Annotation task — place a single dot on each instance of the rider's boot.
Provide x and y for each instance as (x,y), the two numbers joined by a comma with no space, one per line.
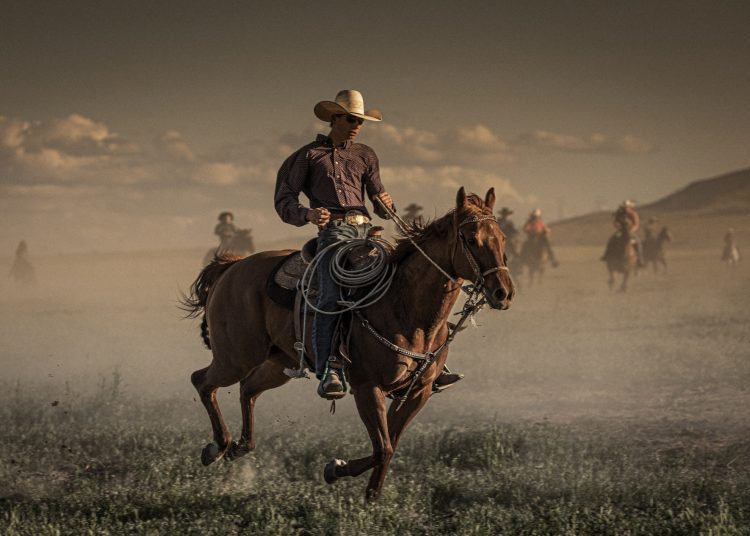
(446,379)
(330,386)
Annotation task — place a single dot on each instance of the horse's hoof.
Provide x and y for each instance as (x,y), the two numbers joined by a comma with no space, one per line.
(235,450)
(211,453)
(329,473)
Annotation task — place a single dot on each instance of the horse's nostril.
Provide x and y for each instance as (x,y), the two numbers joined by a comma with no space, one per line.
(499,294)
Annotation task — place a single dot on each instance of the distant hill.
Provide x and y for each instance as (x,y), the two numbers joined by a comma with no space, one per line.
(726,192)
(698,215)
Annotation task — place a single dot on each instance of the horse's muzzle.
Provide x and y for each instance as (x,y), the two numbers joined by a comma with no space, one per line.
(500,298)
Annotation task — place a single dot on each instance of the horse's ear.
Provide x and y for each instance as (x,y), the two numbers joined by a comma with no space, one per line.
(489,199)
(461,198)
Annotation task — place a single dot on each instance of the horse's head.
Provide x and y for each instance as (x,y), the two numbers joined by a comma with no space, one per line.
(479,248)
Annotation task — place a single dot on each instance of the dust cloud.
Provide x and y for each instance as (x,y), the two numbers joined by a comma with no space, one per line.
(675,346)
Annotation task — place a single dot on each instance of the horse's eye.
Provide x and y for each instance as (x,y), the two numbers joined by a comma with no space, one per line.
(472,240)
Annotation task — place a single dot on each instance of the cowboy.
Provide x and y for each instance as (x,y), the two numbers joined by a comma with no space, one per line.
(509,230)
(225,230)
(626,220)
(535,228)
(336,175)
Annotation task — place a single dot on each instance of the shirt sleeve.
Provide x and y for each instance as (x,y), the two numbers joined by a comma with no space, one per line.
(289,182)
(373,185)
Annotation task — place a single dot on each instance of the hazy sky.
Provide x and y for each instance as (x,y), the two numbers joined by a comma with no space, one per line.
(132,124)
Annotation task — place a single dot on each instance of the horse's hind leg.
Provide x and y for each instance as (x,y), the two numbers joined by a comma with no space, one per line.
(269,375)
(206,382)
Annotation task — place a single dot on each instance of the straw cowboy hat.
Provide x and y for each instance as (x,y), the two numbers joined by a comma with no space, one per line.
(347,102)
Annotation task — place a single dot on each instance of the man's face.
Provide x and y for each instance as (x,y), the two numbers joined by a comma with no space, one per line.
(346,127)
(227,219)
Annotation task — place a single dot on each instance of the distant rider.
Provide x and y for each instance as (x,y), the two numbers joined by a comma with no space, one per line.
(509,230)
(535,228)
(225,230)
(730,247)
(626,220)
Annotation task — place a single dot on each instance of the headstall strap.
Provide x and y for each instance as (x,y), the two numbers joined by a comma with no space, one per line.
(479,283)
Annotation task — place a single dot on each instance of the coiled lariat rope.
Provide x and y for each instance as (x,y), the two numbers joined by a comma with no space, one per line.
(377,274)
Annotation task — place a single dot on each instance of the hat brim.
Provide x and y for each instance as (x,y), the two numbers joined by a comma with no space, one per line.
(324,110)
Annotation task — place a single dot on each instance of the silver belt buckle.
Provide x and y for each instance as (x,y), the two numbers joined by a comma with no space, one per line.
(355,218)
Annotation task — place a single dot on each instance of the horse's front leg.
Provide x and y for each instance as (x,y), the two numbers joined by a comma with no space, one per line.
(371,406)
(398,419)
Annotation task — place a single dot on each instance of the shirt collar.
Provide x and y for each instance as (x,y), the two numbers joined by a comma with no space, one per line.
(328,143)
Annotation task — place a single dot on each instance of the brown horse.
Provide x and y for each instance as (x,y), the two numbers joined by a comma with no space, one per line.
(534,256)
(653,249)
(622,257)
(241,245)
(252,338)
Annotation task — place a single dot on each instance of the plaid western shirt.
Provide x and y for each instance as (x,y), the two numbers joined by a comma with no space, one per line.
(335,178)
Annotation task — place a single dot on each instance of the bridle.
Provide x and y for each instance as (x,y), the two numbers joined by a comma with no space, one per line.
(479,275)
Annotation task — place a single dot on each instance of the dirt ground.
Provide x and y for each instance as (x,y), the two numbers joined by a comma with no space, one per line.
(675,349)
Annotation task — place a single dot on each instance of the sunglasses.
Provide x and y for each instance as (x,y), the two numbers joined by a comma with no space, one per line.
(353,120)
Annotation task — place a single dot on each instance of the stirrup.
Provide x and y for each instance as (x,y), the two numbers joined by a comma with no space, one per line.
(332,395)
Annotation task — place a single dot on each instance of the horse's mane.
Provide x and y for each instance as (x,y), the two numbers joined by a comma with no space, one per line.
(421,230)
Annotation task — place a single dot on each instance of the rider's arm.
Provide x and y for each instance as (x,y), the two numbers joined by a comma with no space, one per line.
(373,185)
(289,182)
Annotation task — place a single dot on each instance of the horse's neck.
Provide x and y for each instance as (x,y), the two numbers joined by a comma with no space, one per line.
(421,298)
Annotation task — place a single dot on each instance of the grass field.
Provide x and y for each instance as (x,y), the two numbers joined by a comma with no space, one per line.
(108,463)
(583,412)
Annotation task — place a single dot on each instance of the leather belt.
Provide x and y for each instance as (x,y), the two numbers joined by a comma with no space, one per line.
(351,218)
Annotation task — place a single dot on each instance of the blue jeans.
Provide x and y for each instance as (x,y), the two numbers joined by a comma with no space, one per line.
(329,291)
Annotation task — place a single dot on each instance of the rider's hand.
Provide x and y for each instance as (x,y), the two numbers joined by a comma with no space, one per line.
(319,216)
(385,197)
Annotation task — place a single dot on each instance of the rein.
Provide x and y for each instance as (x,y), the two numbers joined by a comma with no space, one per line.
(472,305)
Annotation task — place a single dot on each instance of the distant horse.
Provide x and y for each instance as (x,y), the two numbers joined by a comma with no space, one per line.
(22,271)
(534,256)
(653,248)
(622,257)
(252,338)
(241,245)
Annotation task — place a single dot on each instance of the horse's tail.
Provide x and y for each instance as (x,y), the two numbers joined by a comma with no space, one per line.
(194,304)
(204,332)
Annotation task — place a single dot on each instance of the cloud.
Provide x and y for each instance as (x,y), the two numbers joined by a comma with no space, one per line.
(12,132)
(175,146)
(77,150)
(474,145)
(544,140)
(438,184)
